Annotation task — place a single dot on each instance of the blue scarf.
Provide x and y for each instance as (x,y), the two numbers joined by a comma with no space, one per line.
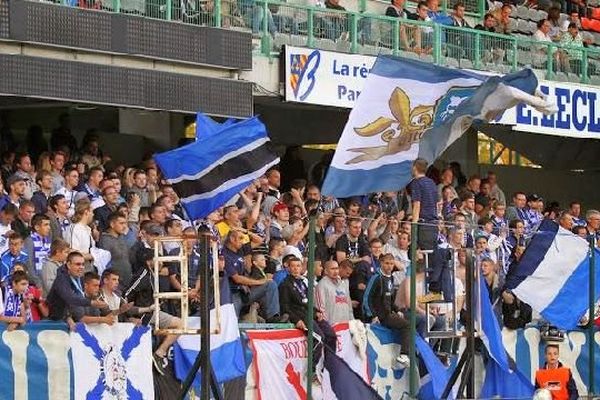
(41,248)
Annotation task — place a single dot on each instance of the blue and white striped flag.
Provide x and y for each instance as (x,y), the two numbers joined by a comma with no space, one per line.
(553,275)
(226,351)
(209,172)
(206,126)
(411,109)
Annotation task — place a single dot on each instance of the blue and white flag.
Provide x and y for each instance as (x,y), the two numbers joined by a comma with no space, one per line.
(112,362)
(410,109)
(209,172)
(206,126)
(553,275)
(501,378)
(226,352)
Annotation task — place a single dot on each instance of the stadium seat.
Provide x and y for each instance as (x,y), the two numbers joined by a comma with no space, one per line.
(464,63)
(452,62)
(522,12)
(596,13)
(343,46)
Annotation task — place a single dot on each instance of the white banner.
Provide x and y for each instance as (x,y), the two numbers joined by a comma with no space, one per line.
(112,362)
(280,362)
(337,79)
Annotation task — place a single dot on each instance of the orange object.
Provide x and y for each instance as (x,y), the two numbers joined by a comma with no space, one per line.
(554,380)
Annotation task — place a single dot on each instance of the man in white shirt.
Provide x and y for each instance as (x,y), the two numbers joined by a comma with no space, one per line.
(68,190)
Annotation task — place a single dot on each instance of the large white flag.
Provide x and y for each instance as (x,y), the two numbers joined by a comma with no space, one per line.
(112,362)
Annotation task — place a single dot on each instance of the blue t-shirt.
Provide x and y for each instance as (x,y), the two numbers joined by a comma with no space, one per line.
(8,261)
(424,190)
(234,265)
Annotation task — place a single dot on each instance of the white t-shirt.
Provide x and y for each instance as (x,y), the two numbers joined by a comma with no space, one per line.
(80,238)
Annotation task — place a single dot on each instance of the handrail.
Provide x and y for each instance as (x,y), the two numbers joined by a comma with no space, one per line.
(369,33)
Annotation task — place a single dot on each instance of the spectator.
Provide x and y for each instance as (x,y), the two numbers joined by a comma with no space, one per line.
(140,187)
(575,211)
(40,198)
(58,210)
(518,207)
(89,314)
(571,59)
(37,246)
(555,377)
(23,169)
(69,189)
(22,224)
(516,240)
(468,210)
(149,232)
(245,290)
(379,306)
(281,219)
(92,187)
(333,295)
(111,201)
(337,21)
(515,313)
(7,215)
(437,16)
(593,225)
(15,307)
(489,24)
(91,156)
(422,35)
(59,251)
(13,255)
(293,295)
(446,180)
(113,240)
(424,206)
(120,310)
(397,10)
(458,16)
(495,192)
(62,136)
(542,35)
(502,16)
(554,20)
(57,164)
(16,190)
(67,290)
(141,293)
(79,234)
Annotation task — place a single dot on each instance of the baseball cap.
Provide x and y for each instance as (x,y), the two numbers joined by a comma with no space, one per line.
(533,197)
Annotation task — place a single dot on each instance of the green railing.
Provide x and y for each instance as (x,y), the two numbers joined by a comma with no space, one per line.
(277,23)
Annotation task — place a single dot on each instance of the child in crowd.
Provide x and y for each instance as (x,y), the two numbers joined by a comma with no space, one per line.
(16,305)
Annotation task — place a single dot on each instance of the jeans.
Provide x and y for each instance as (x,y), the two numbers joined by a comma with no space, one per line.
(427,235)
(258,13)
(401,325)
(267,296)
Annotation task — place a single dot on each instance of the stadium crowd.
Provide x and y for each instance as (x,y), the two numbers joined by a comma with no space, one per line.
(77,232)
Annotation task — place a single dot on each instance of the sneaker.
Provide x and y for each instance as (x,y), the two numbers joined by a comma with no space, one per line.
(403,360)
(430,297)
(159,363)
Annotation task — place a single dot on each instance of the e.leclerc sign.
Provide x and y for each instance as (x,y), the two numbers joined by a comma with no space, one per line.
(336,79)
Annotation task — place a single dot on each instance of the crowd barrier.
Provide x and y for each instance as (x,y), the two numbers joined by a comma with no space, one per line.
(36,362)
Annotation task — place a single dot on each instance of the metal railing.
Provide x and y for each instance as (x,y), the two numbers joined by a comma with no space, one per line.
(278,23)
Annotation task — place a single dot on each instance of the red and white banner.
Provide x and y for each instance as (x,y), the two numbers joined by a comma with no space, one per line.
(278,351)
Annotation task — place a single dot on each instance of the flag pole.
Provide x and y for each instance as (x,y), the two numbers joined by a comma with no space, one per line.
(310,316)
(590,332)
(413,316)
(202,362)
